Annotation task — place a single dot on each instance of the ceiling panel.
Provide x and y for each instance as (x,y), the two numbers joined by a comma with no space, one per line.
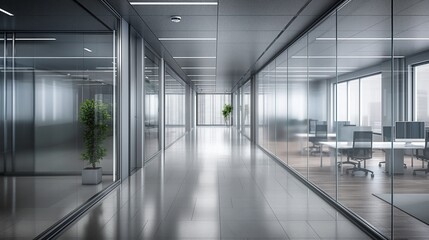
(243,30)
(175,10)
(245,37)
(259,7)
(191,48)
(194,23)
(253,23)
(47,15)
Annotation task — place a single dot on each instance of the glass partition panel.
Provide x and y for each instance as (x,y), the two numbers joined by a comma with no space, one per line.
(247,108)
(270,94)
(152,93)
(297,94)
(322,167)
(261,107)
(174,107)
(52,81)
(364,47)
(281,100)
(263,90)
(409,96)
(3,92)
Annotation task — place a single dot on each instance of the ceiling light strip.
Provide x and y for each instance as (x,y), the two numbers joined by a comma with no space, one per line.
(373,39)
(194,57)
(187,39)
(346,57)
(175,3)
(187,68)
(6,12)
(30,39)
(202,75)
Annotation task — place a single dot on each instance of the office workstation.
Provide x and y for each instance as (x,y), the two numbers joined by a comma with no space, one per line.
(409,136)
(357,72)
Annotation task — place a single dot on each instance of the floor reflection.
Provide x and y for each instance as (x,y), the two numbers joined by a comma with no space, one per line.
(214,184)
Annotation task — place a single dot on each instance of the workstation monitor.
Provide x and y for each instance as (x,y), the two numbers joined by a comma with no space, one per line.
(409,132)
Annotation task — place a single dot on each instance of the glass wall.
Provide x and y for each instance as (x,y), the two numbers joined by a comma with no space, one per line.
(152,85)
(175,107)
(321,169)
(209,109)
(55,88)
(340,80)
(47,82)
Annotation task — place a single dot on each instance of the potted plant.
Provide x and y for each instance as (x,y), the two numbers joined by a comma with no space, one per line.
(94,116)
(226,112)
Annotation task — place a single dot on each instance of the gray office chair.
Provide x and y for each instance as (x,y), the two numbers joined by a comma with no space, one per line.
(423,154)
(344,131)
(361,151)
(320,136)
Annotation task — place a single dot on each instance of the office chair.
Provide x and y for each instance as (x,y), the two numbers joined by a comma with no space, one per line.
(361,151)
(320,136)
(387,137)
(345,133)
(312,126)
(423,154)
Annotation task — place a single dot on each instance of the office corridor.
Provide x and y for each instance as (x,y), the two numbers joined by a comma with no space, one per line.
(212,184)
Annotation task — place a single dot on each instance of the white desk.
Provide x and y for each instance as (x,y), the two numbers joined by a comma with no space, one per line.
(397,149)
(301,136)
(305,135)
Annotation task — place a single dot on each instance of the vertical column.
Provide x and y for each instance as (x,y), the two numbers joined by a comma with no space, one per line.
(124,113)
(162,105)
(140,102)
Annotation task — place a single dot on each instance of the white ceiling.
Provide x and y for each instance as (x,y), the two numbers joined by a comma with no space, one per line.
(243,30)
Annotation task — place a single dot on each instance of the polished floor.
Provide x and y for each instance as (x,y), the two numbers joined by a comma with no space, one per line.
(29,205)
(213,184)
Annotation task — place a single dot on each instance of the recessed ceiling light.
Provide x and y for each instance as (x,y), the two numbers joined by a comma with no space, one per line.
(175,3)
(87,49)
(176,19)
(6,12)
(195,57)
(187,39)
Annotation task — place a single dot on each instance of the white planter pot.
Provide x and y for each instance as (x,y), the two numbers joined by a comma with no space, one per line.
(91,176)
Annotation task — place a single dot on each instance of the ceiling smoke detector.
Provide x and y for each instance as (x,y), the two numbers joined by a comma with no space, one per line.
(176,19)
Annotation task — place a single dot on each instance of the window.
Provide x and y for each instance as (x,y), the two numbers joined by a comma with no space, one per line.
(359,101)
(421,92)
(209,109)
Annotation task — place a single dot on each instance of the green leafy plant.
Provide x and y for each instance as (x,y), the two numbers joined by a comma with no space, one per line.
(95,116)
(226,111)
